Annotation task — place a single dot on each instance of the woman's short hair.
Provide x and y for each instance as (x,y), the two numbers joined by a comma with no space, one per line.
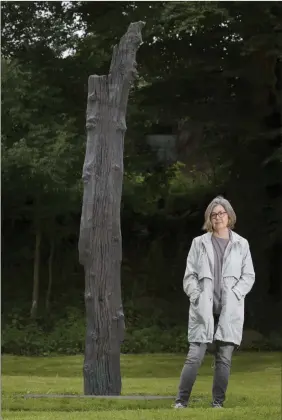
(228,208)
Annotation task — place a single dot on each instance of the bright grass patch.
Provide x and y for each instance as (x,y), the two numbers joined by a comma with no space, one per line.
(254,390)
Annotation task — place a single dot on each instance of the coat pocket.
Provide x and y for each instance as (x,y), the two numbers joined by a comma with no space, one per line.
(195,296)
(236,309)
(229,282)
(229,299)
(200,309)
(227,286)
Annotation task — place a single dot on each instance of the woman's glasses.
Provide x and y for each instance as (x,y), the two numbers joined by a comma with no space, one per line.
(219,214)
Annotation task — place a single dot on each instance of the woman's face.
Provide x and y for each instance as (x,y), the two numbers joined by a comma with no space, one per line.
(219,218)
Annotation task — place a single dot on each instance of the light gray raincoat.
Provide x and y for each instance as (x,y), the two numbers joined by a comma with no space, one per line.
(238,277)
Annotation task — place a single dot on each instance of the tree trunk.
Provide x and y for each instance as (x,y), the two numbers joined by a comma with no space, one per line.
(50,274)
(100,247)
(34,306)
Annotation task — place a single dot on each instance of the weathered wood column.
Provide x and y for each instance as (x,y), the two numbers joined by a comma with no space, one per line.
(100,245)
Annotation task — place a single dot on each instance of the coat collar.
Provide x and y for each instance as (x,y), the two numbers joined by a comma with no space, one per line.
(234,237)
(207,242)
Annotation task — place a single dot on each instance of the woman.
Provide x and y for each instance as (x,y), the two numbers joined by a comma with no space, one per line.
(219,274)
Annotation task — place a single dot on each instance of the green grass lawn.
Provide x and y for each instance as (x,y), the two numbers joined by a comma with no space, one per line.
(254,390)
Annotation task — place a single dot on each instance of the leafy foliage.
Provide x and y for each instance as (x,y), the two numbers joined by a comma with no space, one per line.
(67,337)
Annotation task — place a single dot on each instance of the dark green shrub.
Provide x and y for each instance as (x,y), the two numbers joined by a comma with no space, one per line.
(68,334)
(27,340)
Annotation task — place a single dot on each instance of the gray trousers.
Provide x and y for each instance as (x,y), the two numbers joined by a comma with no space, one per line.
(221,371)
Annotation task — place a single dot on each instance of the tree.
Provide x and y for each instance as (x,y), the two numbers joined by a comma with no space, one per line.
(100,245)
(40,158)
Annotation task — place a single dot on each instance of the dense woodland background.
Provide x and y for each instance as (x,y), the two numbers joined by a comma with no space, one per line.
(210,74)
